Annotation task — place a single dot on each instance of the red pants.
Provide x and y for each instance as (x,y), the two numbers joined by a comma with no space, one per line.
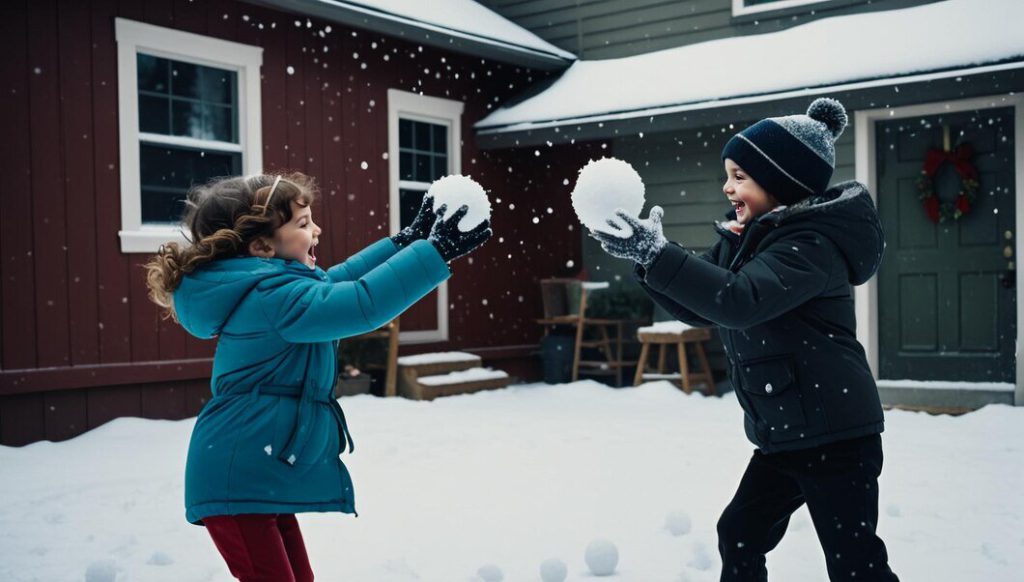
(261,547)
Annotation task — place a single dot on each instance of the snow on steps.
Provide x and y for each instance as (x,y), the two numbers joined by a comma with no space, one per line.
(428,376)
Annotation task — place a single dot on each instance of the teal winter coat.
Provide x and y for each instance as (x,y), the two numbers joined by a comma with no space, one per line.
(269,439)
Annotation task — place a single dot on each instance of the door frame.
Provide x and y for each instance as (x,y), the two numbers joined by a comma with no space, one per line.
(866,296)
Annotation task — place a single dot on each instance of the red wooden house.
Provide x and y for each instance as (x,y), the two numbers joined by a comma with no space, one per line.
(112,109)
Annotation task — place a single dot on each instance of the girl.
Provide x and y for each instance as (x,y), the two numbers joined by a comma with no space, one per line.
(777,284)
(266,446)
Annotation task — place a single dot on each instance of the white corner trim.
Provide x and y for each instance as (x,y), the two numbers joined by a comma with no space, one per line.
(866,296)
(740,8)
(134,37)
(448,112)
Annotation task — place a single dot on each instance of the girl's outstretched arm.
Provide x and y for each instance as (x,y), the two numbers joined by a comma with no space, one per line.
(364,261)
(305,310)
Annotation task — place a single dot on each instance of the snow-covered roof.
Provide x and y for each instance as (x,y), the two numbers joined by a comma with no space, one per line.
(462,25)
(942,36)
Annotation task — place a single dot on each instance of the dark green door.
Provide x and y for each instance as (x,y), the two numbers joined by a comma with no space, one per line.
(946,302)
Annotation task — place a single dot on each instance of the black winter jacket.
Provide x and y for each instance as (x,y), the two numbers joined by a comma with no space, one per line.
(781,295)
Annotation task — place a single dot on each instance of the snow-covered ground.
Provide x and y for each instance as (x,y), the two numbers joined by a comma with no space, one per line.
(511,478)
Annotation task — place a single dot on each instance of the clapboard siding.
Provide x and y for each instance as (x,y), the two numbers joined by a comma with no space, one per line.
(600,29)
(81,342)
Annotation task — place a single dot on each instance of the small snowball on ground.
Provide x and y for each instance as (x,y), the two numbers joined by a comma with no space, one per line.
(160,559)
(553,570)
(603,186)
(490,573)
(458,190)
(678,523)
(601,557)
(101,571)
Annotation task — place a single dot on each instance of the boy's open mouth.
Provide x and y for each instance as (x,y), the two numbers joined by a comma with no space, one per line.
(739,206)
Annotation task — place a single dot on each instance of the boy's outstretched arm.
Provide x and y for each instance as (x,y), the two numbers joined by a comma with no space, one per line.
(674,309)
(784,275)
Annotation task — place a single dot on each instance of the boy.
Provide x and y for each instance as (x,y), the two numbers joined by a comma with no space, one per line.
(777,284)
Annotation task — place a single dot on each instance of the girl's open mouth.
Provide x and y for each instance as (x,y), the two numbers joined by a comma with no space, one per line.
(312,256)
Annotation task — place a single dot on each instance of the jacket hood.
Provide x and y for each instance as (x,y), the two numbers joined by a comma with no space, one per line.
(206,297)
(845,213)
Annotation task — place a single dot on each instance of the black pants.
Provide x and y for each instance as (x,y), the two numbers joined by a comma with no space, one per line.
(839,484)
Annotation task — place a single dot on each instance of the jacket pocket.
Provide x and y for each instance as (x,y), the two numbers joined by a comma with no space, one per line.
(772,388)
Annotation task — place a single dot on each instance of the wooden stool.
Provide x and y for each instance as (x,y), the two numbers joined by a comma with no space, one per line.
(673,332)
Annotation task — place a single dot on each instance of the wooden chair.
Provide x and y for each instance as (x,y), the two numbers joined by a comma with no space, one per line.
(560,308)
(663,334)
(388,332)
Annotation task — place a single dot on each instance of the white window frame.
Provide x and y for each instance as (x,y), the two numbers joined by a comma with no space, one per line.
(246,60)
(740,8)
(416,107)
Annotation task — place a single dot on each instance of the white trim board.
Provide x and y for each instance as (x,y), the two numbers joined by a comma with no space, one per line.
(134,37)
(866,296)
(405,105)
(740,8)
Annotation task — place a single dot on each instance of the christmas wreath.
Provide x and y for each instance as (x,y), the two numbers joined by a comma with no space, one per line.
(960,157)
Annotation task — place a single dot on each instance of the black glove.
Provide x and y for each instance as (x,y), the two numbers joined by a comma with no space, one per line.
(453,243)
(642,245)
(420,227)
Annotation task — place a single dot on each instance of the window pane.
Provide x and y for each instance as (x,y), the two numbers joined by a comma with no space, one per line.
(405,169)
(440,167)
(202,121)
(168,172)
(185,79)
(440,145)
(409,204)
(152,75)
(404,133)
(423,169)
(154,114)
(422,135)
(217,85)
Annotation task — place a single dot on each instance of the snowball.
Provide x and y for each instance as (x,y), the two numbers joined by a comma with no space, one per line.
(601,557)
(101,571)
(490,573)
(553,570)
(458,190)
(678,523)
(603,186)
(160,559)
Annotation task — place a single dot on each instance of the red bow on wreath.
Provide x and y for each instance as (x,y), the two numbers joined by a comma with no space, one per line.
(960,157)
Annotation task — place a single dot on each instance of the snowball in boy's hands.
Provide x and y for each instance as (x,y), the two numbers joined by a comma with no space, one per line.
(601,556)
(553,570)
(455,191)
(604,185)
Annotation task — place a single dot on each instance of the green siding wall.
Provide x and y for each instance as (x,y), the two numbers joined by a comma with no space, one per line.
(600,29)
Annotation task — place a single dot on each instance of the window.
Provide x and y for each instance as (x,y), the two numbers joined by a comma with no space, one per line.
(741,7)
(189,111)
(423,145)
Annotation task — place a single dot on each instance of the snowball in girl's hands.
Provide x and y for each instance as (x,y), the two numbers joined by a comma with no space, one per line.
(604,185)
(456,191)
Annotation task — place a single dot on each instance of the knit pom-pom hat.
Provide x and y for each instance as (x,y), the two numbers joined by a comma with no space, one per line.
(791,157)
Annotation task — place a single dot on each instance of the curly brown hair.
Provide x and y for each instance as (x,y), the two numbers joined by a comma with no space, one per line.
(222,217)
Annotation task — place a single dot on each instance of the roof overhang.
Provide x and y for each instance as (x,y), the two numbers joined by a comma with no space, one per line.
(897,91)
(368,17)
